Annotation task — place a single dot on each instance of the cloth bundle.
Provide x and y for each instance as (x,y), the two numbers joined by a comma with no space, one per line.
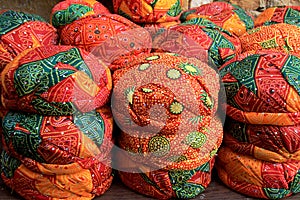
(169,134)
(260,156)
(275,15)
(279,37)
(65,12)
(220,45)
(226,15)
(57,129)
(159,13)
(20,31)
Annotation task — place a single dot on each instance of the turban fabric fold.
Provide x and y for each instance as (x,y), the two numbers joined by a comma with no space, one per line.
(67,11)
(280,37)
(220,45)
(156,13)
(229,16)
(55,80)
(20,31)
(276,15)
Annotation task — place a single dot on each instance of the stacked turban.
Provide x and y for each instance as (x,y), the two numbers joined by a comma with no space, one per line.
(20,31)
(165,106)
(261,153)
(226,15)
(57,127)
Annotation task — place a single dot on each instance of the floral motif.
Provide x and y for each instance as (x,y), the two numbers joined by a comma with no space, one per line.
(190,68)
(176,108)
(159,146)
(173,74)
(196,139)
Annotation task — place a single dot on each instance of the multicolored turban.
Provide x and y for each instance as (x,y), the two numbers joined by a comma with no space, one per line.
(258,178)
(20,31)
(165,106)
(276,15)
(159,12)
(57,157)
(67,11)
(55,80)
(229,16)
(220,45)
(261,153)
(277,37)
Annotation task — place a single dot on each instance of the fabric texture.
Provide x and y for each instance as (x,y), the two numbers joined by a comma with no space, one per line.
(280,37)
(229,16)
(220,44)
(67,11)
(57,157)
(55,80)
(20,31)
(90,32)
(165,106)
(149,12)
(275,15)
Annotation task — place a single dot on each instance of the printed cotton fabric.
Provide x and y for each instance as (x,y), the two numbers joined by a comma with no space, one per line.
(57,157)
(55,80)
(144,12)
(165,106)
(65,12)
(258,178)
(219,44)
(90,32)
(276,15)
(20,31)
(226,15)
(280,37)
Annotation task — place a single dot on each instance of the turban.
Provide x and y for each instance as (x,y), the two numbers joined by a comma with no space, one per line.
(146,12)
(258,178)
(226,15)
(165,106)
(277,37)
(276,15)
(261,139)
(20,31)
(67,11)
(220,45)
(90,32)
(55,80)
(57,157)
